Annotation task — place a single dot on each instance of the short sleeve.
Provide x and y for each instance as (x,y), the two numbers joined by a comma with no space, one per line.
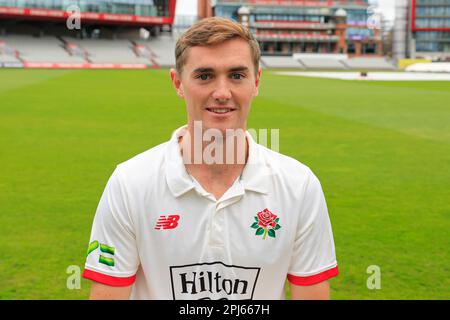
(314,257)
(112,255)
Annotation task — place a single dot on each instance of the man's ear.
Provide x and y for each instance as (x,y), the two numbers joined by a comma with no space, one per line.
(257,82)
(176,81)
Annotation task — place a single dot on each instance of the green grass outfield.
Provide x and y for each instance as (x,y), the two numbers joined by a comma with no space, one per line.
(380,149)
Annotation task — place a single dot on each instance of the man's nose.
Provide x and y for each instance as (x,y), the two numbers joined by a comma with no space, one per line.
(222,90)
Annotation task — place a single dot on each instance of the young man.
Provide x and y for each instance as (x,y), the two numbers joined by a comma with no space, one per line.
(175,223)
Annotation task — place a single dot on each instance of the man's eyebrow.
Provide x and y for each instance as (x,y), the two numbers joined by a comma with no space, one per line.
(200,70)
(240,68)
(233,69)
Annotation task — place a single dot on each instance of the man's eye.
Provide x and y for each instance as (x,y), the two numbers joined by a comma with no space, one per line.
(204,76)
(237,76)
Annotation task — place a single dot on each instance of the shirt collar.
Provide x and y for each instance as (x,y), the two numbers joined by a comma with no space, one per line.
(177,177)
(254,177)
(256,173)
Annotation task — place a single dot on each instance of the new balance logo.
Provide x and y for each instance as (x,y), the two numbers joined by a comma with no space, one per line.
(171,222)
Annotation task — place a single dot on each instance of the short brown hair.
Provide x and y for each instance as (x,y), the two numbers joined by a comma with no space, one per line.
(211,31)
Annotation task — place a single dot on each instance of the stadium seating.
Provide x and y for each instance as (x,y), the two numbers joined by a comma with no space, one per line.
(42,49)
(156,52)
(108,51)
(280,62)
(342,61)
(8,54)
(5,58)
(368,63)
(163,49)
(321,63)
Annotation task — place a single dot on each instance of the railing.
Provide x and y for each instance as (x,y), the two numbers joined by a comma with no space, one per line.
(293,25)
(136,7)
(314,37)
(302,3)
(62,16)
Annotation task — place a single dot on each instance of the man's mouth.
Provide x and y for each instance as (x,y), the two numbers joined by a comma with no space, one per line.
(220,110)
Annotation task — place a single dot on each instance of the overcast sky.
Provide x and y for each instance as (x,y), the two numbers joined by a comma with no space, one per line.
(387,8)
(189,7)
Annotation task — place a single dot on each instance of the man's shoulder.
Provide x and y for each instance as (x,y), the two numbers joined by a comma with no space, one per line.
(286,166)
(143,164)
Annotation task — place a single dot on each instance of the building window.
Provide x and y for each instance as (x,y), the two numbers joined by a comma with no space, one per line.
(351,48)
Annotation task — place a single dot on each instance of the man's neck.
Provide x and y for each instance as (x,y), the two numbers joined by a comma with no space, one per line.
(214,177)
(217,155)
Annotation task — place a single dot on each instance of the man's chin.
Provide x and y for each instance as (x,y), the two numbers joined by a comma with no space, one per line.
(225,129)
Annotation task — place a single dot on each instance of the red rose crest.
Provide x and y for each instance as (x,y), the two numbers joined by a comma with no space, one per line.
(266,223)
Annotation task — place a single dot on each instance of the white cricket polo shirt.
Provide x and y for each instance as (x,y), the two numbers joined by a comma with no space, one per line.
(156,228)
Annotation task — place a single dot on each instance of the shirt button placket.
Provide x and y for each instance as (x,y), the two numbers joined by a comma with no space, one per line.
(217,228)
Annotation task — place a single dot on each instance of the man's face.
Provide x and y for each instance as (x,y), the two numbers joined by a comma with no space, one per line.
(218,84)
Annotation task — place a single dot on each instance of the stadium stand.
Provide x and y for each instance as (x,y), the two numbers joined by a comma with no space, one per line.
(280,62)
(26,48)
(43,34)
(342,62)
(142,34)
(154,52)
(163,49)
(108,51)
(42,49)
(368,63)
(75,50)
(8,59)
(8,54)
(321,63)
